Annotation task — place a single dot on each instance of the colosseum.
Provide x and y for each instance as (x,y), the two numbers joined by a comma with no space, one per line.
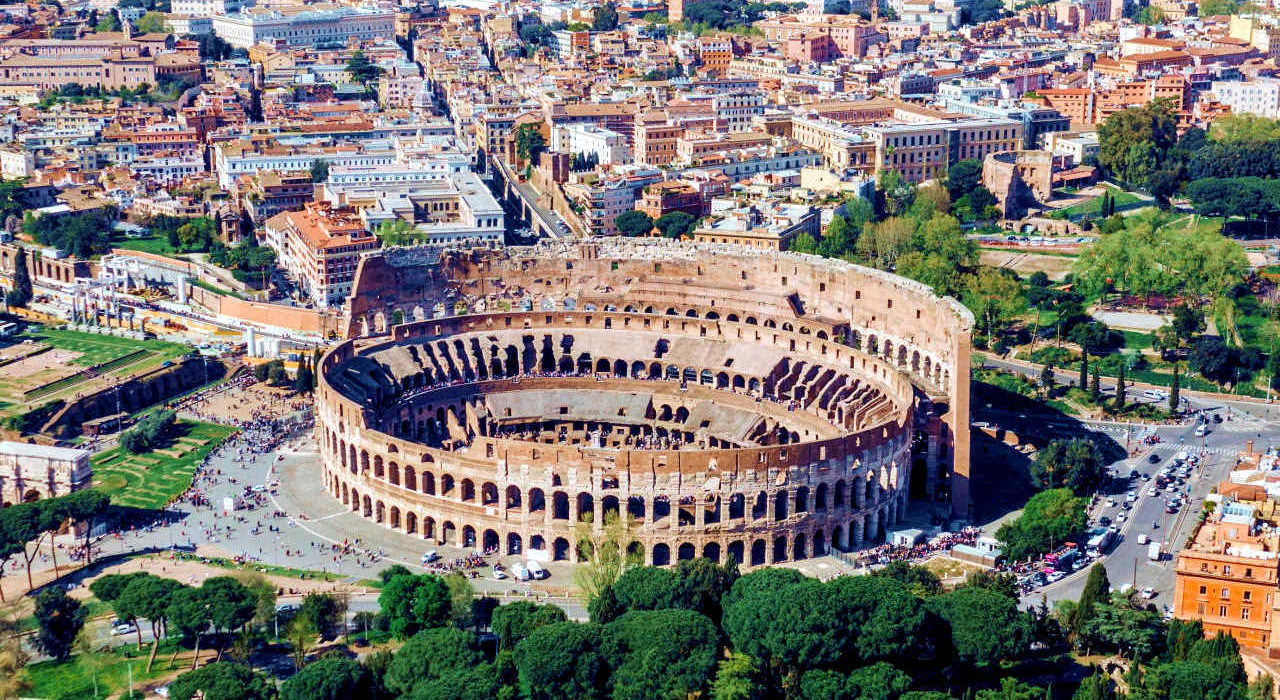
(723,402)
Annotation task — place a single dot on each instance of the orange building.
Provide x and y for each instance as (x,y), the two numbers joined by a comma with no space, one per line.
(1228,578)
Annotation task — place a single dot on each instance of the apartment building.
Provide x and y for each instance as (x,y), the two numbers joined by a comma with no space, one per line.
(602,202)
(270,192)
(319,247)
(1228,577)
(231,159)
(457,210)
(736,110)
(305,27)
(656,141)
(607,146)
(1260,96)
(662,198)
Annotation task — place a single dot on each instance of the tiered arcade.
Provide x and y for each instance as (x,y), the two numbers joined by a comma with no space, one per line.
(725,403)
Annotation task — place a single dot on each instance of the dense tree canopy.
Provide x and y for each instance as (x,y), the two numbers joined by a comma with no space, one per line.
(1049,519)
(1076,464)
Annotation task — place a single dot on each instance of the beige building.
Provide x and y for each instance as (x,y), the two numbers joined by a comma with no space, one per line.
(31,472)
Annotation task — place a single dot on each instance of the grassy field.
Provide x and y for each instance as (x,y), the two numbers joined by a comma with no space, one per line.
(73,679)
(96,349)
(1093,207)
(151,244)
(150,481)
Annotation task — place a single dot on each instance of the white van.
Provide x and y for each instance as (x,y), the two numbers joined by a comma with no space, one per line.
(536,571)
(519,572)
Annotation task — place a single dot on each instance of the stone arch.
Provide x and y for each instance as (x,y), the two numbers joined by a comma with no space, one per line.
(686,551)
(758,551)
(513,497)
(561,549)
(380,511)
(711,550)
(411,523)
(489,494)
(468,491)
(491,541)
(395,518)
(798,550)
(468,536)
(428,483)
(661,554)
(737,553)
(586,507)
(410,478)
(514,543)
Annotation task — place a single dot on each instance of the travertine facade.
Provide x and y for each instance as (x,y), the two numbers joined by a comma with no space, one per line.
(31,472)
(730,403)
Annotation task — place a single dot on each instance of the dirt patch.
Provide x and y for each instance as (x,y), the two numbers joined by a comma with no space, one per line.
(1024,264)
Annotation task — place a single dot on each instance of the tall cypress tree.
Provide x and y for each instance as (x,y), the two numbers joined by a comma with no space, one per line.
(1084,369)
(20,295)
(1175,388)
(1097,589)
(1095,384)
(1120,389)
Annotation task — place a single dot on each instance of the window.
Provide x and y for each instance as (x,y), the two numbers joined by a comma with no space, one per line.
(1222,611)
(1203,590)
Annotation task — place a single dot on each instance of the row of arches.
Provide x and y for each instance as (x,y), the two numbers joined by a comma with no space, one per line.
(813,540)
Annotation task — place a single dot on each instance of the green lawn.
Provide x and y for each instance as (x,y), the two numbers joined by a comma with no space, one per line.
(97,349)
(73,680)
(151,244)
(1093,207)
(151,480)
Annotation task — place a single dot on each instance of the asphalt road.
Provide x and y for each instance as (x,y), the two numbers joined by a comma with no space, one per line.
(1127,562)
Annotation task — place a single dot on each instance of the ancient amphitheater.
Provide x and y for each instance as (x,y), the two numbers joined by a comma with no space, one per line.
(724,402)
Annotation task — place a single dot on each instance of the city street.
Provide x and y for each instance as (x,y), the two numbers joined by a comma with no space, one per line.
(1127,561)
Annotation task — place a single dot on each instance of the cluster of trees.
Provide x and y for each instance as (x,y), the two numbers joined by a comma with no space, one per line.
(906,230)
(364,72)
(272,373)
(22,291)
(222,605)
(248,262)
(1249,196)
(1172,660)
(605,18)
(702,629)
(212,47)
(1050,518)
(529,143)
(583,161)
(185,234)
(674,224)
(1076,464)
(23,526)
(397,232)
(1140,146)
(150,432)
(1144,259)
(82,235)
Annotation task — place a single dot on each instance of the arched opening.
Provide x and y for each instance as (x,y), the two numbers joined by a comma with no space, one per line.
(586,507)
(491,541)
(537,501)
(686,552)
(736,551)
(513,543)
(758,553)
(779,548)
(513,497)
(819,544)
(635,508)
(489,494)
(609,508)
(448,533)
(798,551)
(780,505)
(468,491)
(661,555)
(820,498)
(468,536)
(711,550)
(560,505)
